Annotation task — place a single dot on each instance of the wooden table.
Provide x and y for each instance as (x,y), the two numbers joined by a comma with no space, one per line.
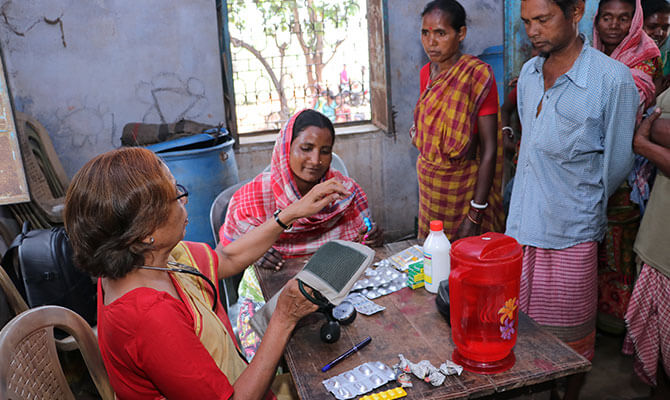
(411,325)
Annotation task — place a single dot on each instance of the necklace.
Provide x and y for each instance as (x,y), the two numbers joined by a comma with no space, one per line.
(185,269)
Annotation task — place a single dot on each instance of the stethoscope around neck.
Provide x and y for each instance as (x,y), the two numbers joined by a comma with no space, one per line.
(186,269)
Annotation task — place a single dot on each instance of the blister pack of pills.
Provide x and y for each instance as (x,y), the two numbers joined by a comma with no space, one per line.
(376,277)
(364,305)
(360,380)
(380,281)
(403,259)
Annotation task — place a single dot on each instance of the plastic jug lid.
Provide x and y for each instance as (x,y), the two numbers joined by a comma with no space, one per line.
(436,225)
(487,247)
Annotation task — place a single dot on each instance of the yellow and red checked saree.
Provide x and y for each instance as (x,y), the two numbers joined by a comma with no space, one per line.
(445,118)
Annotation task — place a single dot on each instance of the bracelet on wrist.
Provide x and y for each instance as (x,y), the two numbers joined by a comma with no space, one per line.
(279,222)
(478,206)
(478,214)
(510,134)
(473,220)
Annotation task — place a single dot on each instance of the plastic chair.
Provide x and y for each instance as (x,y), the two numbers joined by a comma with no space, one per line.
(14,299)
(18,305)
(30,368)
(45,175)
(336,163)
(217,216)
(217,213)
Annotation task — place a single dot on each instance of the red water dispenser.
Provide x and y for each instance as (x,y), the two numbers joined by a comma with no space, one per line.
(483,295)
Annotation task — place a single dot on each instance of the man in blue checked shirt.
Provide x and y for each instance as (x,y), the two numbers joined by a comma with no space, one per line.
(577,108)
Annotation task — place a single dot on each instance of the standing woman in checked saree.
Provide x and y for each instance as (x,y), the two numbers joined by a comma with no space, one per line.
(456,131)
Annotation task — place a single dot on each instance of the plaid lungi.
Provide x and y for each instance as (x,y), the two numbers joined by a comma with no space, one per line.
(648,321)
(559,290)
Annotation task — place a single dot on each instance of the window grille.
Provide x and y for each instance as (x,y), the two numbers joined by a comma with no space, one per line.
(293,54)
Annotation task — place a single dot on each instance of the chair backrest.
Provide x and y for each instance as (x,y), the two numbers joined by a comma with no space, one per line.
(14,299)
(217,216)
(30,367)
(336,163)
(217,213)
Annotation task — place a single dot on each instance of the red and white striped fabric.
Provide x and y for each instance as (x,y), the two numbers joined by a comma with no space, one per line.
(559,290)
(648,321)
(255,202)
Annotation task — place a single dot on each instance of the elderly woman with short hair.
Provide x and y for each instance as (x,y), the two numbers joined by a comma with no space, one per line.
(161,329)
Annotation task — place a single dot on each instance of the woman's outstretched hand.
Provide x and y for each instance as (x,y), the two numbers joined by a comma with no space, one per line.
(293,305)
(272,259)
(315,200)
(373,237)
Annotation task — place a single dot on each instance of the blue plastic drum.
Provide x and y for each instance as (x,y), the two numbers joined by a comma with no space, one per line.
(494,57)
(205,167)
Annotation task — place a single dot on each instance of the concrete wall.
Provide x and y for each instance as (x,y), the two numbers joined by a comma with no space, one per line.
(86,68)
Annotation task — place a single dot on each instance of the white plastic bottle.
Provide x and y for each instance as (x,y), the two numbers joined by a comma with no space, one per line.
(436,261)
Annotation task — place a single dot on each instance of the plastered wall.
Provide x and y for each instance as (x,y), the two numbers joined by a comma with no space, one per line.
(86,68)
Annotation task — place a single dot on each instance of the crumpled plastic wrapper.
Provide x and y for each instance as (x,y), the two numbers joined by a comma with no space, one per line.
(435,377)
(404,364)
(419,370)
(450,368)
(425,370)
(404,379)
(432,374)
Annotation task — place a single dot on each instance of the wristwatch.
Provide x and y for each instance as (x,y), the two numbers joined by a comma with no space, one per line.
(279,222)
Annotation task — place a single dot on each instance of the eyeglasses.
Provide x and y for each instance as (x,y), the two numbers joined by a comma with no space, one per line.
(181,192)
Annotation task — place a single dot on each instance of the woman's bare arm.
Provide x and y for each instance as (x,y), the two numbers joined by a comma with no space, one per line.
(255,380)
(248,248)
(652,140)
(488,140)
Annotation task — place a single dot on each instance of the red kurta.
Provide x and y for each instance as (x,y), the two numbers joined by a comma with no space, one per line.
(150,348)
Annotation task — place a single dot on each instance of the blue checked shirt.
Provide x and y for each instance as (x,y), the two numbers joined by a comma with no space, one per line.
(575,153)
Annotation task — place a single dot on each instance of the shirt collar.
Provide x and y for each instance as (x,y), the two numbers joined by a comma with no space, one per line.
(577,74)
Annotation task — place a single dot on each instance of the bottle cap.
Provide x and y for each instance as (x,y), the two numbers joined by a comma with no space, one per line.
(435,226)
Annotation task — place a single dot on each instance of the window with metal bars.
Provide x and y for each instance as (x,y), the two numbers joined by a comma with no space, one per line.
(280,56)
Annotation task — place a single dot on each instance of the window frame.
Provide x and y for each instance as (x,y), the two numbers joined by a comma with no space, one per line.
(382,114)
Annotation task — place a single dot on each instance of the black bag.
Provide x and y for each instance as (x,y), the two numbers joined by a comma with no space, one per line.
(39,262)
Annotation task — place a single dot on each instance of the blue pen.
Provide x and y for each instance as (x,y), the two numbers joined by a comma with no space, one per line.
(347,354)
